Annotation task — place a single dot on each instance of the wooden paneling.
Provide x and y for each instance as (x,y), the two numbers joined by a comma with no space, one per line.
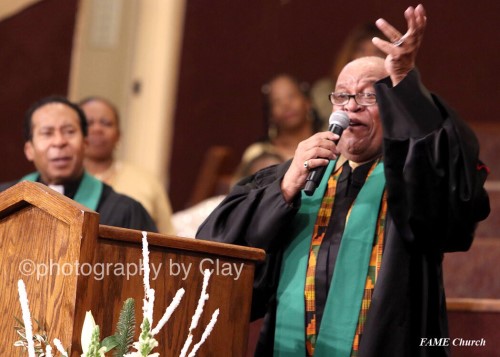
(473,274)
(473,325)
(42,226)
(41,238)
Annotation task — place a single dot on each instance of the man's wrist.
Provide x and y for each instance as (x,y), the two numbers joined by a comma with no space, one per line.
(289,192)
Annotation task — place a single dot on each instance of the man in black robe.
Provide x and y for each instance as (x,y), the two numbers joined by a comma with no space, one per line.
(410,146)
(55,131)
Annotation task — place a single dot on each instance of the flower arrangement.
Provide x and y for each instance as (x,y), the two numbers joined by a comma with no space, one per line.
(40,339)
(28,339)
(122,341)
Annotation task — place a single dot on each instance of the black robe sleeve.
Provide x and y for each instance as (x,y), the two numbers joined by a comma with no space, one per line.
(434,177)
(254,213)
(122,211)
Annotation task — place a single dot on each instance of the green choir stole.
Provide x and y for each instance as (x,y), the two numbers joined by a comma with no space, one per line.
(340,316)
(88,193)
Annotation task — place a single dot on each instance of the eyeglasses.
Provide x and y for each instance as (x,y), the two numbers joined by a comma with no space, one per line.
(365,99)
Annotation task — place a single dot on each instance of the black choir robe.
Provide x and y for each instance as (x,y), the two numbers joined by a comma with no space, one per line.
(114,209)
(434,183)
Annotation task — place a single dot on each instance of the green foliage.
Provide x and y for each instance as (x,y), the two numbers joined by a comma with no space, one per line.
(93,350)
(146,329)
(146,340)
(108,343)
(124,335)
(98,349)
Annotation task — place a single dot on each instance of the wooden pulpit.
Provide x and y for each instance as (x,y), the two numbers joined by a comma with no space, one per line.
(71,264)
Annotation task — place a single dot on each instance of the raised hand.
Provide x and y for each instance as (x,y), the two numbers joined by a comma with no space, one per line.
(402,51)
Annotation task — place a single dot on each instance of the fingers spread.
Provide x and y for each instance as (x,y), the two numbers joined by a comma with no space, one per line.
(420,11)
(410,19)
(382,45)
(416,20)
(388,30)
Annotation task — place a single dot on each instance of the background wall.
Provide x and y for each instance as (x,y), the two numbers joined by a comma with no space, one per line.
(230,48)
(35,59)
(233,47)
(128,51)
(9,8)
(103,51)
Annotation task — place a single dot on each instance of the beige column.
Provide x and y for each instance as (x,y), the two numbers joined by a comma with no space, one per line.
(154,73)
(128,51)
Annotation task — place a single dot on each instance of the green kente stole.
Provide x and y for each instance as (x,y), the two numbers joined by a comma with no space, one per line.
(340,316)
(88,193)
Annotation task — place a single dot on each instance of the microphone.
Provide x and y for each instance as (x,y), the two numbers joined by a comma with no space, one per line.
(339,120)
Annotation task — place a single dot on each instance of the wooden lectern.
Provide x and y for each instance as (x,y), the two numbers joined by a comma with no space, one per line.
(70,264)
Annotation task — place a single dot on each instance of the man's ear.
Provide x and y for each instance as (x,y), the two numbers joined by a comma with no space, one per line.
(29,150)
(85,143)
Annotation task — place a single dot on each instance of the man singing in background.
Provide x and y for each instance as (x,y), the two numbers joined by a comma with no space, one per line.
(55,130)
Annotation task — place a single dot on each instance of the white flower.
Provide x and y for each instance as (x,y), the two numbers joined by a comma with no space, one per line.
(102,351)
(87,329)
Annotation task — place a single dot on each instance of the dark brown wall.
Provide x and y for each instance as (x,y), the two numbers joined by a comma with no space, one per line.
(35,54)
(232,47)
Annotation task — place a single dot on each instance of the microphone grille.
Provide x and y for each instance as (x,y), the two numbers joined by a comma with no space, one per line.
(339,118)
